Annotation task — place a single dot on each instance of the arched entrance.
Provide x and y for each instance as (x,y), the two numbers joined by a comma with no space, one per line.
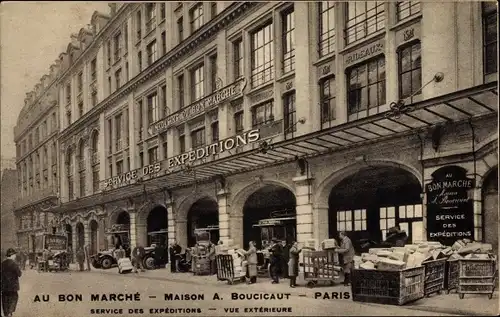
(94,227)
(374,199)
(204,213)
(157,225)
(490,208)
(123,218)
(69,233)
(80,236)
(269,213)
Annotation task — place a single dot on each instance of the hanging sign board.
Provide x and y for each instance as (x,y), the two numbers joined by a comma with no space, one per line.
(450,210)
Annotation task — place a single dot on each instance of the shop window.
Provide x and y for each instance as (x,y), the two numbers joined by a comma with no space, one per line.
(215,131)
(362,19)
(326,27)
(366,88)
(288,38)
(490,33)
(328,100)
(153,109)
(197,82)
(406,9)
(198,138)
(153,155)
(152,52)
(238,122)
(410,70)
(196,17)
(262,55)
(238,58)
(289,113)
(262,114)
(387,219)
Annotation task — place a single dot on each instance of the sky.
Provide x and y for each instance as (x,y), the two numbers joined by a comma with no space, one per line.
(32,35)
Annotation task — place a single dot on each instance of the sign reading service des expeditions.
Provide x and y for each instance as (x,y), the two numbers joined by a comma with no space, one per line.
(450,213)
(198,107)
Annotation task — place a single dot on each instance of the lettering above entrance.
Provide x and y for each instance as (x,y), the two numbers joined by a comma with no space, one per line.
(199,107)
(363,53)
(236,141)
(450,210)
(127,178)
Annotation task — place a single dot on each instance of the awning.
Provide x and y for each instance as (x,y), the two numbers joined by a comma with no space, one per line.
(462,105)
(479,101)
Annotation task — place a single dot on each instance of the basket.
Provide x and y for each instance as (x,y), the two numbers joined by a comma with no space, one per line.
(388,287)
(451,275)
(476,276)
(434,276)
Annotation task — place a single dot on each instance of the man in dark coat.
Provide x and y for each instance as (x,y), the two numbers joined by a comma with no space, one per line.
(138,256)
(159,256)
(10,283)
(174,251)
(346,249)
(276,251)
(80,258)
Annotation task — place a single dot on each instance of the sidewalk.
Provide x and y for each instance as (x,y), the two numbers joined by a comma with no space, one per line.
(471,305)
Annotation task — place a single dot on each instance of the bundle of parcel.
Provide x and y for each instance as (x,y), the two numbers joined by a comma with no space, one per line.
(413,255)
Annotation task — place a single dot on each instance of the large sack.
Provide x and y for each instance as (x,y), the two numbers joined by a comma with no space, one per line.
(375,250)
(367,266)
(470,248)
(385,264)
(415,260)
(398,256)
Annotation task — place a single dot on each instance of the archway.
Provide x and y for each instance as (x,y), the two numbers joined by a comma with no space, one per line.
(269,213)
(94,227)
(69,233)
(80,236)
(123,218)
(374,199)
(204,213)
(157,226)
(489,193)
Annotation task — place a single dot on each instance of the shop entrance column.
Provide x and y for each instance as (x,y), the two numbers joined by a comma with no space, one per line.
(304,210)
(223,216)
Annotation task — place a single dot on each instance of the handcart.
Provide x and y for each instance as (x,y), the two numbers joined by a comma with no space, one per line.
(227,271)
(477,276)
(320,266)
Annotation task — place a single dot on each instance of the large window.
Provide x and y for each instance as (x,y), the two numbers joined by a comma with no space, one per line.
(197,83)
(140,110)
(180,90)
(289,113)
(238,122)
(152,52)
(138,25)
(238,58)
(139,60)
(351,220)
(163,43)
(198,138)
(387,220)
(118,78)
(288,19)
(68,94)
(182,144)
(95,162)
(70,171)
(362,19)
(326,27)
(328,102)
(166,109)
(262,114)
(119,167)
(410,70)
(180,29)
(196,17)
(262,59)
(215,131)
(153,109)
(118,47)
(153,155)
(407,217)
(213,72)
(150,16)
(118,131)
(490,33)
(405,9)
(366,87)
(81,168)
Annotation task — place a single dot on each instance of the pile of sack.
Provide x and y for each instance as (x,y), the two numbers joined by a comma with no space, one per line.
(413,255)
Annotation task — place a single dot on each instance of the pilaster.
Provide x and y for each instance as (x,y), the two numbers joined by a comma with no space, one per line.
(222,200)
(171,220)
(304,210)
(181,232)
(133,228)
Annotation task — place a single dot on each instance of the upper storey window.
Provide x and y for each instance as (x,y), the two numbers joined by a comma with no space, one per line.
(198,82)
(490,33)
(406,9)
(288,20)
(362,19)
(150,16)
(326,27)
(68,94)
(262,61)
(196,17)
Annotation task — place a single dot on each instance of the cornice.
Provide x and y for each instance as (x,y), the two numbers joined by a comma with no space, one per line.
(96,41)
(36,121)
(206,32)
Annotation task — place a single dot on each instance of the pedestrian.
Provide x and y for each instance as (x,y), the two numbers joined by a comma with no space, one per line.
(10,283)
(251,256)
(276,251)
(211,258)
(174,251)
(80,258)
(293,263)
(346,249)
(286,256)
(159,256)
(138,257)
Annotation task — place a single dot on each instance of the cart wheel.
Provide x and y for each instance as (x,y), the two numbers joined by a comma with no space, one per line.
(490,296)
(310,284)
(461,296)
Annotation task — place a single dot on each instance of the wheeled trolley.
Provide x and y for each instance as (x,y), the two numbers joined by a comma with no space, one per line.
(476,276)
(320,266)
(227,270)
(434,276)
